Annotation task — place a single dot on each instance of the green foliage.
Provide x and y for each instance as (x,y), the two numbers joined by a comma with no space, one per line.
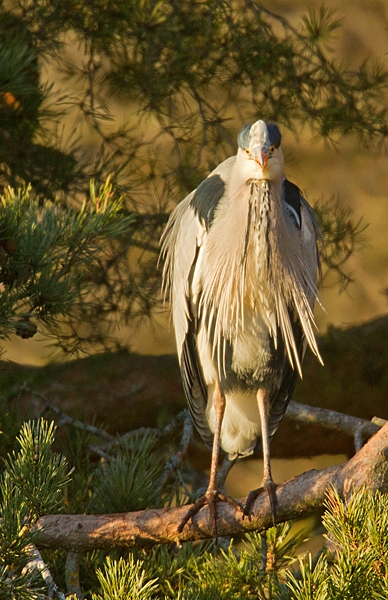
(311,582)
(355,564)
(153,93)
(124,579)
(171,567)
(35,474)
(128,481)
(20,586)
(32,485)
(201,571)
(28,152)
(49,254)
(76,444)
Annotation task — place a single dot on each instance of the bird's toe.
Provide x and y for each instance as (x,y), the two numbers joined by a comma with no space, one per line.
(210,499)
(267,485)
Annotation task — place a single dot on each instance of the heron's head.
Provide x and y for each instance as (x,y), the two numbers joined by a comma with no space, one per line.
(259,144)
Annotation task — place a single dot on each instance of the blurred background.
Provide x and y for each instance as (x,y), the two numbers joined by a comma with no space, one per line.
(151,95)
(341,165)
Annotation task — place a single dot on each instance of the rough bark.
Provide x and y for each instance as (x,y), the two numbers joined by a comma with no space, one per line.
(299,496)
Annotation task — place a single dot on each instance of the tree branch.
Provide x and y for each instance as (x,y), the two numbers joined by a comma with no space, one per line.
(65,419)
(298,497)
(37,562)
(360,429)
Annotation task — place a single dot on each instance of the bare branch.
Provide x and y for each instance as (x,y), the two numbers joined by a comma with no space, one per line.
(38,563)
(298,497)
(224,469)
(175,460)
(111,440)
(65,418)
(331,419)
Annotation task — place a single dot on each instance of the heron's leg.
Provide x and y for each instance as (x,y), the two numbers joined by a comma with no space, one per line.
(212,493)
(267,483)
(219,408)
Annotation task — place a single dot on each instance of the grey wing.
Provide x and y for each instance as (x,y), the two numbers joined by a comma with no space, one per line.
(302,218)
(280,400)
(193,381)
(182,240)
(311,233)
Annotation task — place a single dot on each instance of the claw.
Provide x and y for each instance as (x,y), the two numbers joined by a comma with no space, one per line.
(268,485)
(210,498)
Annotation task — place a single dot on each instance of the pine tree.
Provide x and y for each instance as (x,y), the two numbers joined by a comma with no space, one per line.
(50,255)
(153,97)
(36,481)
(187,74)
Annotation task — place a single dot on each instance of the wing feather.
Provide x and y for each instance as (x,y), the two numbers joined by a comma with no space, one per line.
(181,244)
(303,219)
(194,384)
(185,231)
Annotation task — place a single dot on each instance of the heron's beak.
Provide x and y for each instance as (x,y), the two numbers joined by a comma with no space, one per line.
(262,161)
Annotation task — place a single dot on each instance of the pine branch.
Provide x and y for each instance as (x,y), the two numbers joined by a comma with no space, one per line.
(65,419)
(72,574)
(298,497)
(360,429)
(38,563)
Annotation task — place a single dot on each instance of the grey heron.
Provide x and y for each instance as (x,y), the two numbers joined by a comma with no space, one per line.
(240,269)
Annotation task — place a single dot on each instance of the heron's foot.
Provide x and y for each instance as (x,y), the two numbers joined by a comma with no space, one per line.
(270,486)
(210,499)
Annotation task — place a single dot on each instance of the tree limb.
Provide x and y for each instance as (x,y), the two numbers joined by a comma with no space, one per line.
(298,497)
(360,429)
(36,562)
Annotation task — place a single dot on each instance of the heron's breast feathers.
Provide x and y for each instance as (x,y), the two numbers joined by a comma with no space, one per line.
(254,260)
(244,256)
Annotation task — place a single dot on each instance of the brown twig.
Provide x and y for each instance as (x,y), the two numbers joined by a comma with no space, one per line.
(175,460)
(66,419)
(359,429)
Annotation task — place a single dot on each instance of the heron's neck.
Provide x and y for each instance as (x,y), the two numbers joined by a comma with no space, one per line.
(265,224)
(253,264)
(236,259)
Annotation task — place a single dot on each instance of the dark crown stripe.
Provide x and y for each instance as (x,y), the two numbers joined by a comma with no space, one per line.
(274,134)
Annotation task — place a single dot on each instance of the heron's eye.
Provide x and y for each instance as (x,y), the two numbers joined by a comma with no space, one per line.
(247,151)
(272,149)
